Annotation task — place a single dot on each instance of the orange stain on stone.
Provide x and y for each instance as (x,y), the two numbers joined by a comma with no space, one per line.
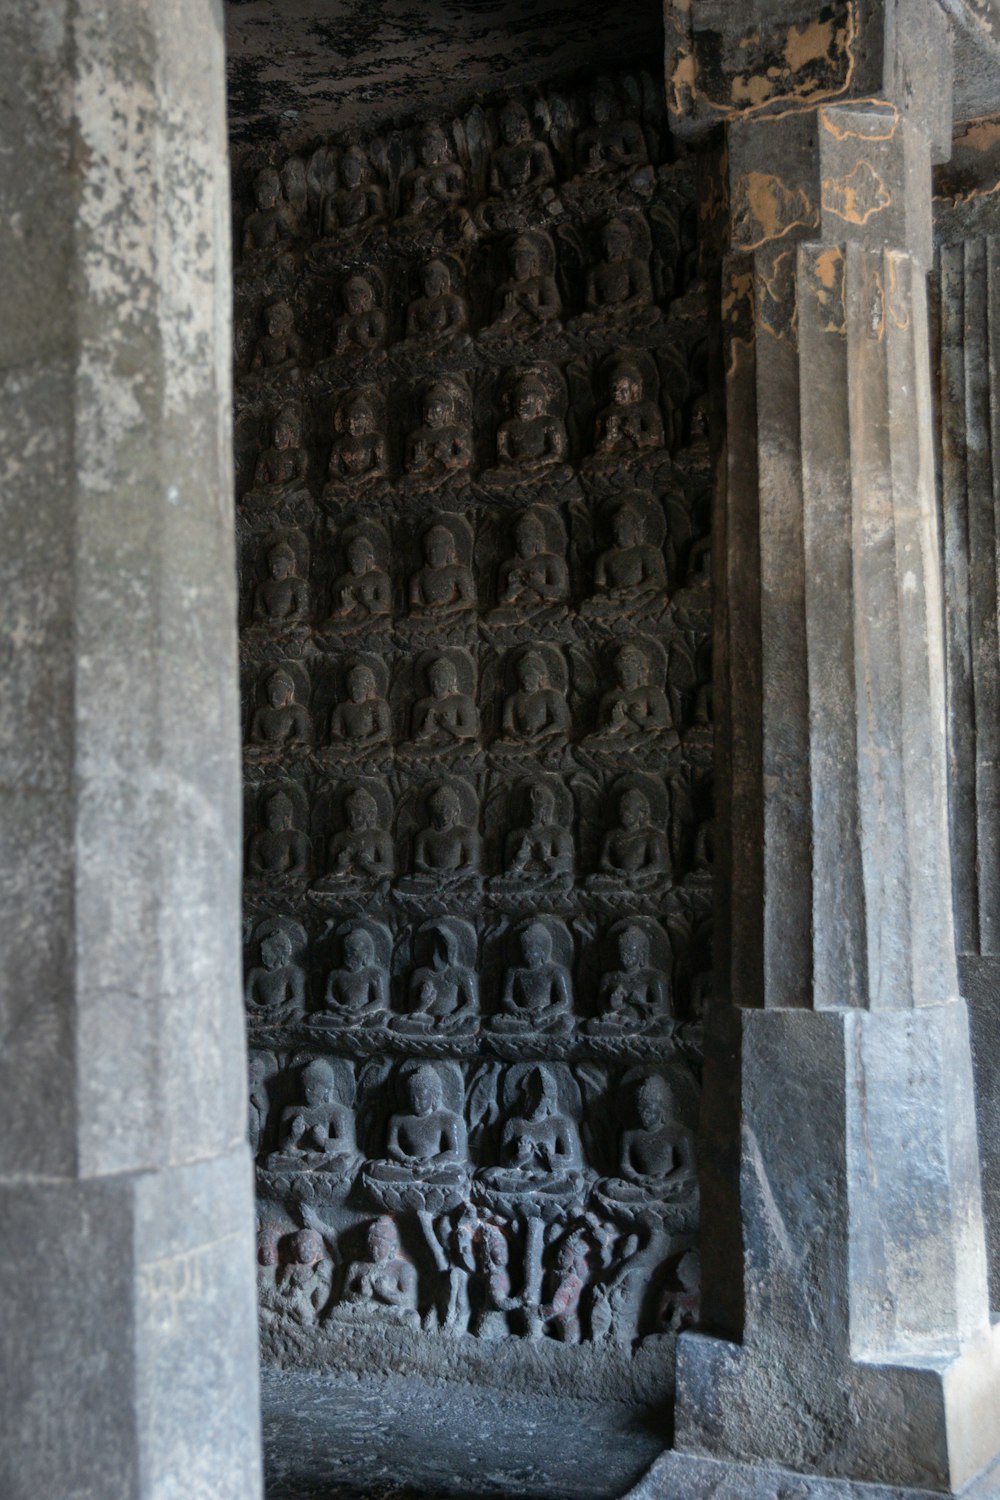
(766,209)
(857,197)
(810,43)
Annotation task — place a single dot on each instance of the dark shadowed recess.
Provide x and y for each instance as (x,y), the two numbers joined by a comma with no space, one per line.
(300,67)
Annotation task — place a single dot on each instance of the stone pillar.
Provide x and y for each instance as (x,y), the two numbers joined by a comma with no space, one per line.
(847,1329)
(128,1358)
(968,317)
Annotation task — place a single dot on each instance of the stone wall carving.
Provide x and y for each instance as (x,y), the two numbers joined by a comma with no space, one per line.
(473,522)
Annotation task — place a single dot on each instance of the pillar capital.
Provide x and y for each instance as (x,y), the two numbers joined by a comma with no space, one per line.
(729,62)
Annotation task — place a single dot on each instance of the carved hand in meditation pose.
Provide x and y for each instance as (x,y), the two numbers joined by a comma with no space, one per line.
(364,591)
(282,721)
(430,1137)
(360,451)
(362,325)
(321,1125)
(635,849)
(521,161)
(440,313)
(532,438)
(437,182)
(280,849)
(537,992)
(442,445)
(362,849)
(536,711)
(360,988)
(543,849)
(636,992)
(443,586)
(363,718)
(629,424)
(447,716)
(283,595)
(529,297)
(635,707)
(621,280)
(446,848)
(632,566)
(278,985)
(534,576)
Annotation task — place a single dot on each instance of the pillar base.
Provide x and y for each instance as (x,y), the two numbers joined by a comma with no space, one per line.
(929,1428)
(129,1359)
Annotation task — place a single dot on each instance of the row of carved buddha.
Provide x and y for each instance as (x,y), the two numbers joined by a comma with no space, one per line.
(349,188)
(533,574)
(471,1271)
(625,282)
(533,712)
(426,980)
(531,443)
(438,839)
(435,1121)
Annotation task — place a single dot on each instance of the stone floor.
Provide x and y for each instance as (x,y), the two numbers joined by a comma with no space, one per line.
(400,1438)
(403,1439)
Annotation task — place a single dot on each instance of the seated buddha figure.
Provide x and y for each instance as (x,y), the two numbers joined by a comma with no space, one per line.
(271,223)
(520,161)
(535,713)
(631,570)
(535,577)
(320,1128)
(279,349)
(635,708)
(636,994)
(357,199)
(282,467)
(620,282)
(446,850)
(442,446)
(359,451)
(440,312)
(442,995)
(538,992)
(661,1149)
(543,1144)
(543,850)
(609,142)
(281,721)
(443,586)
(628,424)
(279,848)
(363,592)
(529,299)
(361,850)
(634,851)
(361,327)
(446,718)
(382,1288)
(532,438)
(437,181)
(359,990)
(362,718)
(276,988)
(282,597)
(427,1139)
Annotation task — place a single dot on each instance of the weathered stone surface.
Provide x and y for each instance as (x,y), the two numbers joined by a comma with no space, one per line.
(127,1369)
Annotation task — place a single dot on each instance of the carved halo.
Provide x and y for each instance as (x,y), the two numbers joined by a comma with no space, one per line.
(646,506)
(552,658)
(519,1079)
(463,933)
(293,930)
(450,1074)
